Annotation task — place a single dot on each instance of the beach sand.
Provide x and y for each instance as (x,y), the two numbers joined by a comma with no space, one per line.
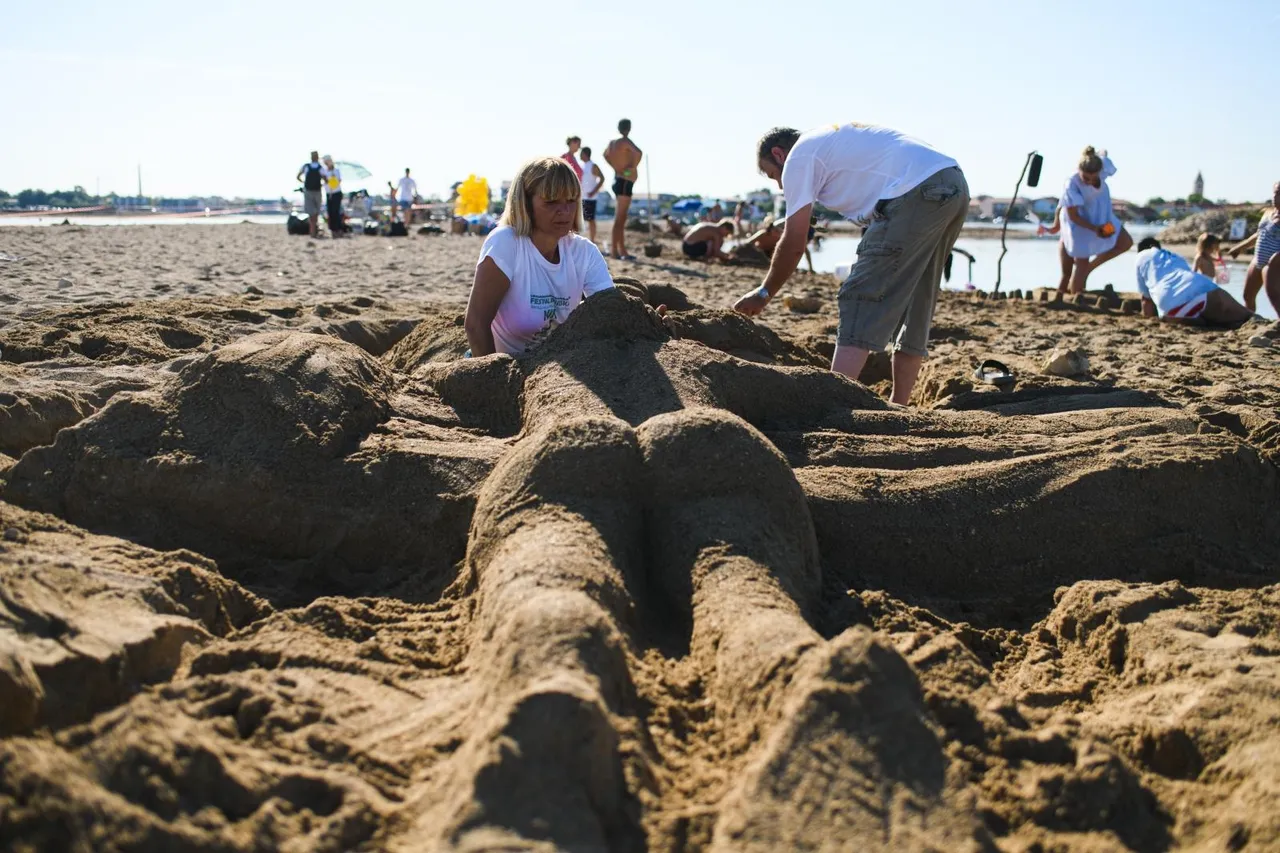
(279,570)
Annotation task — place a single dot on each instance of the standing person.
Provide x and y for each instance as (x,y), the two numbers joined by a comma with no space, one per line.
(1266,248)
(624,157)
(1093,233)
(571,156)
(916,199)
(407,191)
(333,198)
(1175,292)
(312,176)
(534,269)
(592,181)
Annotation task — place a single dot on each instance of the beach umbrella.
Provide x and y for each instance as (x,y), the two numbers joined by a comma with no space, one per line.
(352,171)
(687,205)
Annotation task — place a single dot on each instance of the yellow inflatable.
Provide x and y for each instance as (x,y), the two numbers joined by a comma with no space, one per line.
(473,196)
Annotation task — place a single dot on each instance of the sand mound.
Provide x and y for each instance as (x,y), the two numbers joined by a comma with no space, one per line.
(631,591)
(281,446)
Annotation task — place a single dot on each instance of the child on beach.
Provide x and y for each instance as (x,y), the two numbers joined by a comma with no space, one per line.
(1093,234)
(1208,254)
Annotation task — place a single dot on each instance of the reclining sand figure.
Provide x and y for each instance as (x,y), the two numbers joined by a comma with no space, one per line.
(588,525)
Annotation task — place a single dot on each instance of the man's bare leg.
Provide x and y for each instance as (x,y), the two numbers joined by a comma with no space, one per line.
(849,361)
(1221,309)
(1252,284)
(906,369)
(591,229)
(620,226)
(315,228)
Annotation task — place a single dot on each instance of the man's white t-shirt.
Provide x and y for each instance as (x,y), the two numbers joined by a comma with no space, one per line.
(850,167)
(408,189)
(542,294)
(1168,280)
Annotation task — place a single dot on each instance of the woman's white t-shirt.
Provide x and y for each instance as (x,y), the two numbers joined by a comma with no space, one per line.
(542,294)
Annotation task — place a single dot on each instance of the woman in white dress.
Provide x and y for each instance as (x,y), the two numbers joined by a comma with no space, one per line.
(1093,233)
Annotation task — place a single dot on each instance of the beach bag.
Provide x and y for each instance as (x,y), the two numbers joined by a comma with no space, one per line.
(398,229)
(298,225)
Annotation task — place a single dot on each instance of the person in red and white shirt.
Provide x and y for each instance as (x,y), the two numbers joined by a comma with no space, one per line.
(571,156)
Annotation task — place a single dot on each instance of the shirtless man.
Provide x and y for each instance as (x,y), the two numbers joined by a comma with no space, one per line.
(706,239)
(623,155)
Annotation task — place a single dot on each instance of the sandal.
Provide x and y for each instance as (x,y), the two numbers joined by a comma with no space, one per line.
(997,373)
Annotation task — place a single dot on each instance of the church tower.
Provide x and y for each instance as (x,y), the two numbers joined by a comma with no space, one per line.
(1199,190)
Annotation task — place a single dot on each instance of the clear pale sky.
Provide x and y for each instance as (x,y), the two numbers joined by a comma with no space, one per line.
(229,98)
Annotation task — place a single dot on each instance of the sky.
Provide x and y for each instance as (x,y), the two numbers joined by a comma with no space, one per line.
(228,98)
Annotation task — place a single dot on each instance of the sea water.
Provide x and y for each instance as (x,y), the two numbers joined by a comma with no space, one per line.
(1031,262)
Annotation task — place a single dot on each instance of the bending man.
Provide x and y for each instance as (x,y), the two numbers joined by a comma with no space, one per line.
(915,199)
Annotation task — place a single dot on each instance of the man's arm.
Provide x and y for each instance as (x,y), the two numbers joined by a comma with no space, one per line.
(1148,307)
(610,155)
(300,171)
(786,257)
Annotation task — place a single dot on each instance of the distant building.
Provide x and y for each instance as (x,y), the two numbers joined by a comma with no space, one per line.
(1045,206)
(1199,184)
(990,207)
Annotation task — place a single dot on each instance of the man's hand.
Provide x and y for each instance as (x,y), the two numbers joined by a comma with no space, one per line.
(751,304)
(1235,253)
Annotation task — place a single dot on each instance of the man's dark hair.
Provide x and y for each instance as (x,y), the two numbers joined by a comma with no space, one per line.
(573,139)
(586,152)
(624,126)
(1148,243)
(406,170)
(779,137)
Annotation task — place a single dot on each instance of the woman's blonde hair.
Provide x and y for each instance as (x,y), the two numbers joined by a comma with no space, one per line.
(548,177)
(1206,242)
(1090,162)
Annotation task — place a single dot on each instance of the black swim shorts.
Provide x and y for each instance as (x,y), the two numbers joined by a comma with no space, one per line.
(623,188)
(589,209)
(695,250)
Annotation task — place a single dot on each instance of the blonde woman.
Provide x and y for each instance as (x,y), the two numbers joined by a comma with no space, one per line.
(1093,234)
(534,268)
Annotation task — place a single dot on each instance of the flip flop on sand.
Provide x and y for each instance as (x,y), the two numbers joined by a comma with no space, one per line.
(997,373)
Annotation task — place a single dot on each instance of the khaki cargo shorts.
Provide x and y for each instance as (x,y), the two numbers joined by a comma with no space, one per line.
(892,289)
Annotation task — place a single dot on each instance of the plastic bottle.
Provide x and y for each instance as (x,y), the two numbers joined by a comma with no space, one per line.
(1224,274)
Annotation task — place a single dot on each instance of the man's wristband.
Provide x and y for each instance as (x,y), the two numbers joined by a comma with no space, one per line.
(763,293)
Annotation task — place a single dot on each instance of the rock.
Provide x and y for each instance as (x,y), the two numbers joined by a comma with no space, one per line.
(1261,342)
(253,290)
(64,283)
(802,304)
(12,534)
(1066,362)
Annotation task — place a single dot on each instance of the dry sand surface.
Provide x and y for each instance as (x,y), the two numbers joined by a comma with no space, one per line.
(280,571)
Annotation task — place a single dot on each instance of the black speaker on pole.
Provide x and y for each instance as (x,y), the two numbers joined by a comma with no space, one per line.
(1033,179)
